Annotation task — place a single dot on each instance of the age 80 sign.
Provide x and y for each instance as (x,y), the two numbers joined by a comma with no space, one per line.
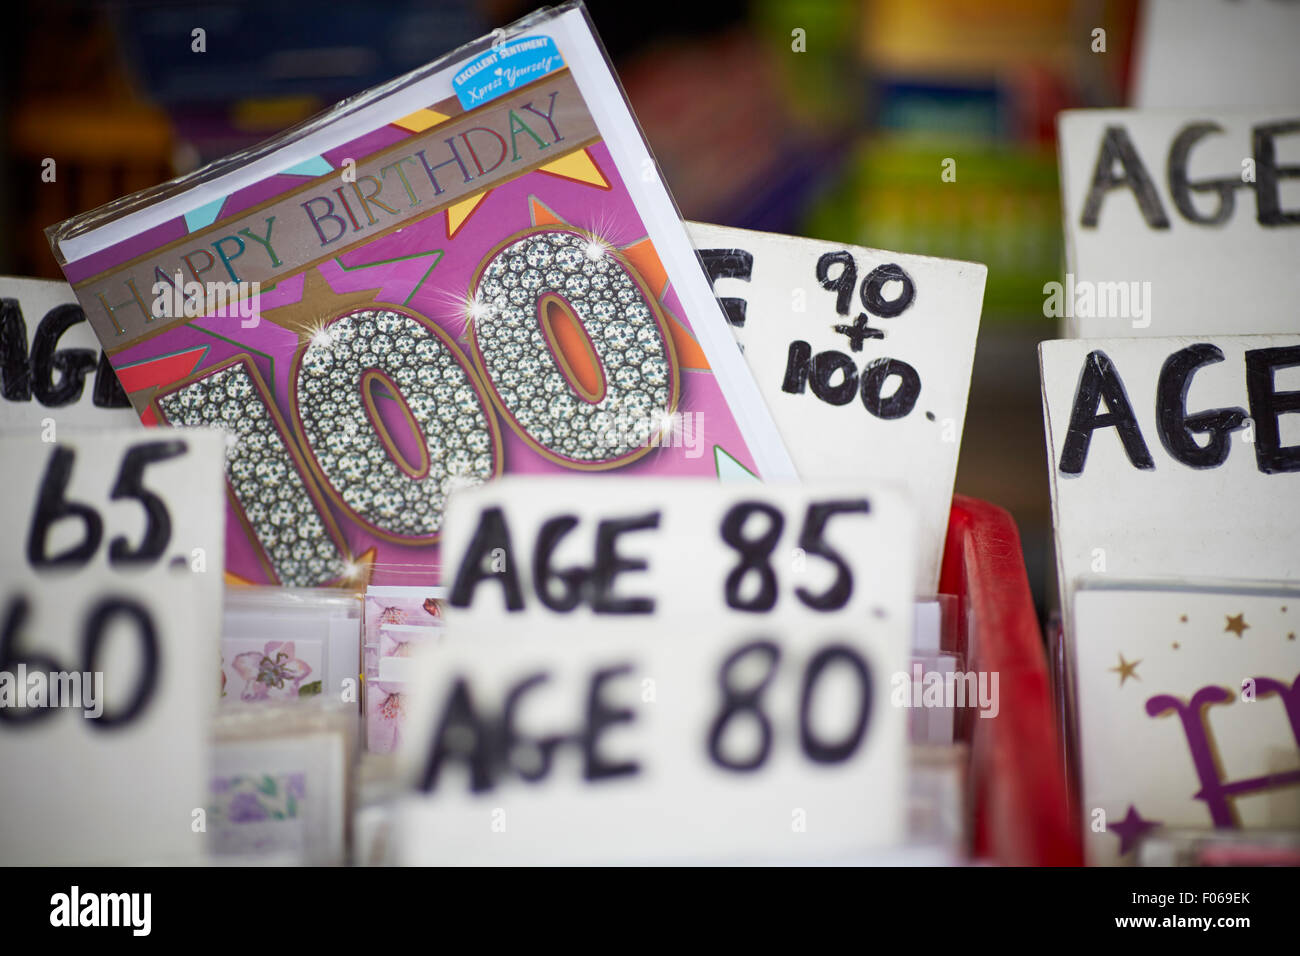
(653,744)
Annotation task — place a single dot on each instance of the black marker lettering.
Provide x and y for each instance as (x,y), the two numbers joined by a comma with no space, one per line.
(491,535)
(729,264)
(1268,198)
(797,364)
(825,366)
(1099,379)
(610,564)
(73,365)
(600,716)
(571,579)
(873,295)
(461,735)
(1176,428)
(15,369)
(813,747)
(1266,404)
(902,401)
(52,506)
(843,283)
(1117,146)
(1181,189)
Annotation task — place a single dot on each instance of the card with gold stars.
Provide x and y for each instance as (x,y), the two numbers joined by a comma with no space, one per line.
(471,271)
(1188,712)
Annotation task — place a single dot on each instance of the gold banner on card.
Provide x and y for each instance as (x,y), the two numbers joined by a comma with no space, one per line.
(357,202)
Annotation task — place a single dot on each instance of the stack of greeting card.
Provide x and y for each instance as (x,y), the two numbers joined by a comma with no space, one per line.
(1173,430)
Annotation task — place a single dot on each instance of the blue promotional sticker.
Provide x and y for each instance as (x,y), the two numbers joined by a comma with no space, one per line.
(505,68)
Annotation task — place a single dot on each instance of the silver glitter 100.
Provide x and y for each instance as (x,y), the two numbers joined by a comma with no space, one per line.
(436,388)
(619,322)
(262,474)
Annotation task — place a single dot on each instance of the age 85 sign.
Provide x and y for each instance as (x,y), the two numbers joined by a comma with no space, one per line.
(681,551)
(110,599)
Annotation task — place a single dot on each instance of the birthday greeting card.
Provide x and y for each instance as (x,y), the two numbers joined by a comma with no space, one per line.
(472,271)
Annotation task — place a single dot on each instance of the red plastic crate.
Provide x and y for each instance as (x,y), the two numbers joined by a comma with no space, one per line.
(1017,776)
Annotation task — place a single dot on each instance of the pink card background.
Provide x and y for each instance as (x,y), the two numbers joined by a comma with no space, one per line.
(404,269)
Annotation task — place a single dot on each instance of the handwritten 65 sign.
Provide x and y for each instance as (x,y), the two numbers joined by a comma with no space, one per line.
(110,557)
(684,551)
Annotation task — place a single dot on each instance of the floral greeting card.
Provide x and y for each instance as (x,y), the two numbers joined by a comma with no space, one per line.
(256,670)
(279,788)
(399,622)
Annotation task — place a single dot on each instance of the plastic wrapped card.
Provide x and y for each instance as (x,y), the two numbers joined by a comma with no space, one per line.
(289,644)
(399,622)
(475,269)
(281,785)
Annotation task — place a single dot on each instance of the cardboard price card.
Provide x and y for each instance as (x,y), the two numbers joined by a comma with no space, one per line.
(664,671)
(1174,457)
(594,555)
(474,270)
(1188,712)
(863,356)
(52,370)
(717,742)
(110,612)
(1179,222)
(1179,38)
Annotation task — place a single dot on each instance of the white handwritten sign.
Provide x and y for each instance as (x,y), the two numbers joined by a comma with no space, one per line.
(1174,457)
(52,370)
(1179,222)
(641,671)
(648,744)
(110,610)
(1250,43)
(529,549)
(863,356)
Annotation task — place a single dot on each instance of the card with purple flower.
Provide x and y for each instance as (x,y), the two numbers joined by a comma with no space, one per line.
(278,792)
(256,670)
(398,622)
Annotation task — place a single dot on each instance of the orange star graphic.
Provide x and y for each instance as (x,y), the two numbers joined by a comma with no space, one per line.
(318,302)
(1236,624)
(1125,670)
